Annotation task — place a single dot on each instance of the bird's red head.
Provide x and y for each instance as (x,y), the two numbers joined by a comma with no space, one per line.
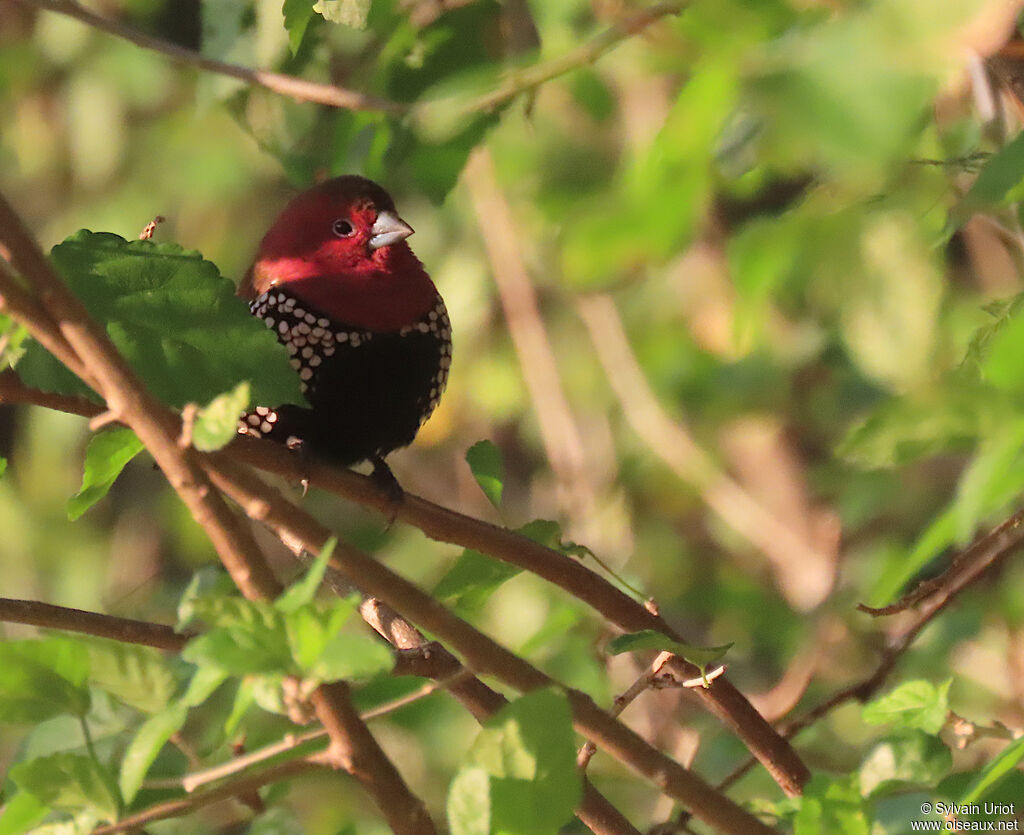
(340,247)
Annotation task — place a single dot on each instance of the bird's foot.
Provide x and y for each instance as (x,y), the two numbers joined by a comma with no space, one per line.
(385,481)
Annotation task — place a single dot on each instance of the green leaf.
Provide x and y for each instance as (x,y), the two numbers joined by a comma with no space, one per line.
(469,802)
(348,12)
(216,424)
(68,782)
(1001,366)
(3,466)
(248,637)
(297,14)
(652,639)
(1000,181)
(173,317)
(484,460)
(21,813)
(528,753)
(136,675)
(913,704)
(106,456)
(907,758)
(303,591)
(474,577)
(995,772)
(146,745)
(352,657)
(833,806)
(42,679)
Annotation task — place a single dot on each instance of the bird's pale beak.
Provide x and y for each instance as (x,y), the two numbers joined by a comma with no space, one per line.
(388,229)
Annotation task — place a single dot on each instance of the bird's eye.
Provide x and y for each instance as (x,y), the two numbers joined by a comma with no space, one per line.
(343,229)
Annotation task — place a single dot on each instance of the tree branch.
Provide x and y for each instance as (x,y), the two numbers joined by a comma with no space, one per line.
(125,630)
(483,655)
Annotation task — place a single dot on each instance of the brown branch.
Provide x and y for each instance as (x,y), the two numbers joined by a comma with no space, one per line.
(352,745)
(285,85)
(186,805)
(444,525)
(482,655)
(417,656)
(126,630)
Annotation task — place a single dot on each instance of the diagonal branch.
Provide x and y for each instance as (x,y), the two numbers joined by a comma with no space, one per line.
(482,654)
(352,745)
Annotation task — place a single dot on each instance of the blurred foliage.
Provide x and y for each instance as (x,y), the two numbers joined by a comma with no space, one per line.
(808,218)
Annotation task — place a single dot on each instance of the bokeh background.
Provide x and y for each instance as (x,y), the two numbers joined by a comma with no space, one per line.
(711,294)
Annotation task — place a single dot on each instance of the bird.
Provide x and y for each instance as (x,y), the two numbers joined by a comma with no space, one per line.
(366,329)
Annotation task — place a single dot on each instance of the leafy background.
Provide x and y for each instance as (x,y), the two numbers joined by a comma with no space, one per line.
(781,205)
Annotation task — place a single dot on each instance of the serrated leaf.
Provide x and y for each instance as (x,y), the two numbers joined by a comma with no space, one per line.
(527,750)
(913,704)
(652,639)
(484,460)
(303,591)
(248,637)
(297,14)
(173,317)
(42,679)
(69,782)
(146,745)
(347,12)
(136,675)
(106,456)
(216,424)
(474,577)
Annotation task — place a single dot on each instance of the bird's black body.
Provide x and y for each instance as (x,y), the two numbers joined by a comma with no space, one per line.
(369,392)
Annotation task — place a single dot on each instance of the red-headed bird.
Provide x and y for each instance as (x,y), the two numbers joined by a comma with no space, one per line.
(367,331)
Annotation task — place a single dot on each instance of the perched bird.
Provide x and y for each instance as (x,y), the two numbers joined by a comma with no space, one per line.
(367,331)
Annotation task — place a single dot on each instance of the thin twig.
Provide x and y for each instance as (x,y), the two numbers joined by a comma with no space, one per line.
(187,805)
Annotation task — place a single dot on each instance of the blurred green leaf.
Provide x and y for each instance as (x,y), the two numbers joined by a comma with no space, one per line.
(145,746)
(994,772)
(42,679)
(216,424)
(829,805)
(69,782)
(20,813)
(303,591)
(1000,181)
(106,456)
(136,675)
(912,704)
(469,802)
(907,758)
(297,14)
(484,460)
(527,752)
(473,578)
(174,319)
